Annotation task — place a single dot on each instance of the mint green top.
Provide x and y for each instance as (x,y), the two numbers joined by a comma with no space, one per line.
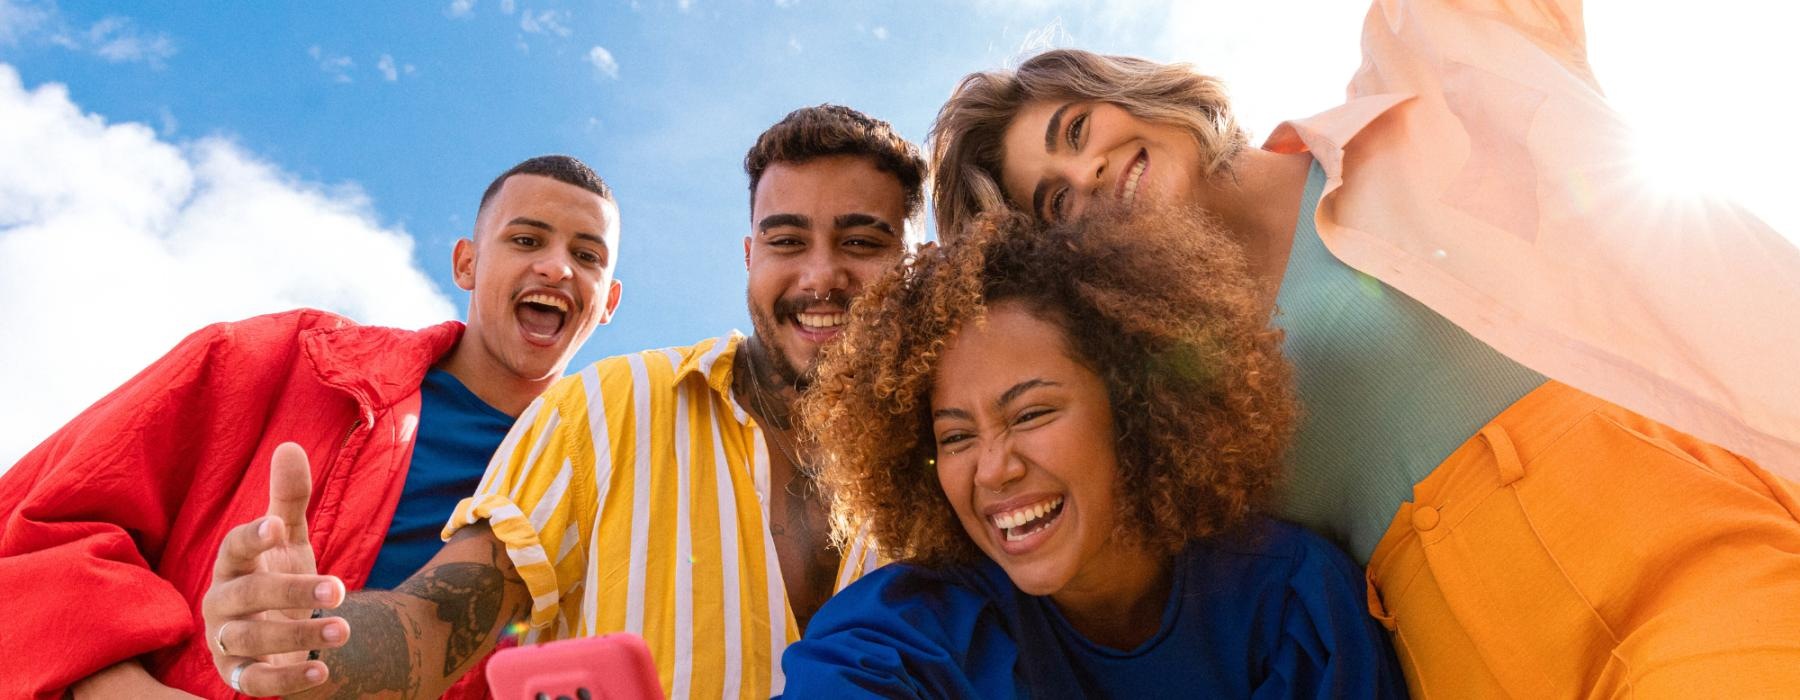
(1388,389)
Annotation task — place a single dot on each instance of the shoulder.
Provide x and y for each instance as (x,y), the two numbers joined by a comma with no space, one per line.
(647,371)
(947,599)
(1277,555)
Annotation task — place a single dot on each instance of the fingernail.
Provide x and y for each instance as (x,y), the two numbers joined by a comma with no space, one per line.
(265,530)
(333,633)
(314,675)
(323,591)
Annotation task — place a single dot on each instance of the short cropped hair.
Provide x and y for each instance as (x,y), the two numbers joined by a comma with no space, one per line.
(561,168)
(1160,307)
(967,138)
(830,130)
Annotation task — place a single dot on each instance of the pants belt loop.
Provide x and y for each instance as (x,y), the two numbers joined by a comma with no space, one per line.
(1505,457)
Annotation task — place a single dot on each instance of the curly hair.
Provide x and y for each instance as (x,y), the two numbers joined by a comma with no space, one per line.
(1159,306)
(966,139)
(829,130)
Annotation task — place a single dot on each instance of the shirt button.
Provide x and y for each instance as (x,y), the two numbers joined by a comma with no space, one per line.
(1425,518)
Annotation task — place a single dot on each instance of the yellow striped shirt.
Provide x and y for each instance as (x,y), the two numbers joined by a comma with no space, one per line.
(631,497)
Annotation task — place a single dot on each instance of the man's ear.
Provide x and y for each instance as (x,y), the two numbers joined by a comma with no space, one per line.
(746,252)
(462,264)
(612,302)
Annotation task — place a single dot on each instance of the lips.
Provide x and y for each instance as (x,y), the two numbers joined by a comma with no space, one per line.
(819,326)
(542,315)
(1128,185)
(1022,526)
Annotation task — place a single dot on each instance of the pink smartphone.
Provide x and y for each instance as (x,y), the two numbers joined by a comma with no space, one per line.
(614,667)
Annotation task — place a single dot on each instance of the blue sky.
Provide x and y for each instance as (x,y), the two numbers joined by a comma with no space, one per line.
(174,164)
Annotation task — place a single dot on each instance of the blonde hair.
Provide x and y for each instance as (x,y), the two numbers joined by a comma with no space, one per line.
(966,140)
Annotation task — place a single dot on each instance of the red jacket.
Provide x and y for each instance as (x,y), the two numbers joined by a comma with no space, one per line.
(110,527)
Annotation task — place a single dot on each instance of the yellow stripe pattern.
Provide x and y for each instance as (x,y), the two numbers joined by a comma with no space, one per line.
(630,497)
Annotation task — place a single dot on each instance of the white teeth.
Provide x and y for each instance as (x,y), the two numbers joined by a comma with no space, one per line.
(547,300)
(1015,518)
(822,320)
(1131,180)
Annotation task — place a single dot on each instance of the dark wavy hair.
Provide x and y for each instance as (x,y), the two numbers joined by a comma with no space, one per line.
(829,130)
(1159,306)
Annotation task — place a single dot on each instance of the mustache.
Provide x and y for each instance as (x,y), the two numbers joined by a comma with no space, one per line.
(790,305)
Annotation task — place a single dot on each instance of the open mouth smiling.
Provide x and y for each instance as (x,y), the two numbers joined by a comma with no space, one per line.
(542,316)
(1019,524)
(1128,185)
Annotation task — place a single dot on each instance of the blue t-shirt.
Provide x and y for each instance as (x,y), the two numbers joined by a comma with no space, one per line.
(1276,612)
(458,432)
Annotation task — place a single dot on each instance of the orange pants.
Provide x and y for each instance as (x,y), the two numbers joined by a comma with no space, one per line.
(1575,549)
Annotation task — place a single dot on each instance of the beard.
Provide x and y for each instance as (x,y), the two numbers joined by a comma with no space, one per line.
(765,346)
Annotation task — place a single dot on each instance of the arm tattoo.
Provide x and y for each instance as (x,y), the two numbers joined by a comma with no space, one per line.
(378,658)
(465,602)
(467,597)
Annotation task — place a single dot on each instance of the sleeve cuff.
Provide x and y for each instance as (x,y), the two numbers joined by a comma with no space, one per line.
(522,546)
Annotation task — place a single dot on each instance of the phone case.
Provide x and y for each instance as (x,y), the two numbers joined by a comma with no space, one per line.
(612,667)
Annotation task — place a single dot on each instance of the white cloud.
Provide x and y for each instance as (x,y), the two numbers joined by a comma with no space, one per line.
(545,22)
(785,3)
(338,67)
(603,62)
(794,44)
(508,6)
(19,19)
(684,5)
(389,71)
(113,38)
(116,40)
(115,243)
(880,33)
(460,8)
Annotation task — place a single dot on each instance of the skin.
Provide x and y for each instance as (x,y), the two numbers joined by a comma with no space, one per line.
(820,231)
(1091,150)
(1019,421)
(536,235)
(419,638)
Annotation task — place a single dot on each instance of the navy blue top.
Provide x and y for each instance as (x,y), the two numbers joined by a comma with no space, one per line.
(1275,613)
(458,432)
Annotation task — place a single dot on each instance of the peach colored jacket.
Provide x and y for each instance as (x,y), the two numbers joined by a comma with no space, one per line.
(1478,169)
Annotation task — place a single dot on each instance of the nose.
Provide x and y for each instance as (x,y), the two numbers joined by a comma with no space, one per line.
(998,465)
(553,265)
(825,273)
(1086,175)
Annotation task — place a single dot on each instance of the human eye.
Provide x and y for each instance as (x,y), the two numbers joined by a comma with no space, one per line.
(953,441)
(524,240)
(1030,415)
(589,257)
(1076,127)
(1059,204)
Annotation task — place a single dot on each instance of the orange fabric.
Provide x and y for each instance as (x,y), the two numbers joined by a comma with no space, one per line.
(1478,169)
(1575,549)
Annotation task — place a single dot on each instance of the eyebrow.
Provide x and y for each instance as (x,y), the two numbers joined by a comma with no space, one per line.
(1006,397)
(1055,127)
(534,223)
(528,221)
(778,220)
(860,219)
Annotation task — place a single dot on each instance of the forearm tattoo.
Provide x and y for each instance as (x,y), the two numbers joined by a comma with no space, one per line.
(463,604)
(467,597)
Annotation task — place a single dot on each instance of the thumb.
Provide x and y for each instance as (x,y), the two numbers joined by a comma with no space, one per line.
(290,487)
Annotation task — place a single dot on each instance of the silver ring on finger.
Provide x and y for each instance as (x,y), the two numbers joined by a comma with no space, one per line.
(219,637)
(237,674)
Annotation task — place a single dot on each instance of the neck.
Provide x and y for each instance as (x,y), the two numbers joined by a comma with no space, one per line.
(761,391)
(495,386)
(1258,201)
(1120,602)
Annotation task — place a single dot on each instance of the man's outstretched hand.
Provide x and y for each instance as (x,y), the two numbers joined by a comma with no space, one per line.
(265,587)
